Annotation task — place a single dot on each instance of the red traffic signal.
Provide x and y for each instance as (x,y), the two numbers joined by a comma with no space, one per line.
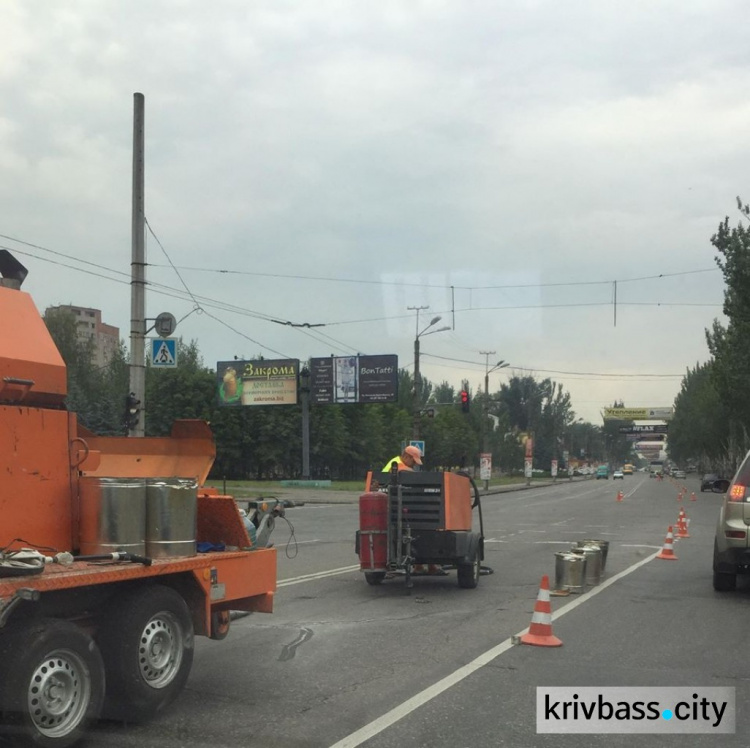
(465,401)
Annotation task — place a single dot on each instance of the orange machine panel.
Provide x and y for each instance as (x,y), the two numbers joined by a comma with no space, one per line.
(35,491)
(31,368)
(188,452)
(457,496)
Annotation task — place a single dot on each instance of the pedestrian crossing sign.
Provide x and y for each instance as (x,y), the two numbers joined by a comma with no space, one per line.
(164,353)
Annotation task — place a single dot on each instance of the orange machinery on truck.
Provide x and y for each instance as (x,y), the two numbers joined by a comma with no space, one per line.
(110,632)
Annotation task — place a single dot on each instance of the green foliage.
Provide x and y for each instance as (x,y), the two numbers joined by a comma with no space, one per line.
(698,430)
(95,394)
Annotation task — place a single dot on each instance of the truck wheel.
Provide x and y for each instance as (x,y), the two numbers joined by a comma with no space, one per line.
(147,645)
(51,683)
(374,577)
(468,574)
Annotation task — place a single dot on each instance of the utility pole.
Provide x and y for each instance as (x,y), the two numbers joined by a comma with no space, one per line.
(416,415)
(304,382)
(486,409)
(138,272)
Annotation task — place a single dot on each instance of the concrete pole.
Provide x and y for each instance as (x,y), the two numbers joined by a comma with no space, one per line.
(138,270)
(305,397)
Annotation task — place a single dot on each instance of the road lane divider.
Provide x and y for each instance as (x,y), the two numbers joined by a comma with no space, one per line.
(404,709)
(318,575)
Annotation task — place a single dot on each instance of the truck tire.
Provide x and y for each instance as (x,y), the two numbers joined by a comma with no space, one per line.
(51,683)
(374,577)
(146,641)
(468,573)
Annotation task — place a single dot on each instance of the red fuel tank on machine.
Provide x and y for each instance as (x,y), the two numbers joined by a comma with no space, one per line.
(373,531)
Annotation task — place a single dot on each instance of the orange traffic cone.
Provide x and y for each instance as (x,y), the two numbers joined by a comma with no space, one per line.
(682,527)
(667,552)
(540,631)
(692,496)
(620,496)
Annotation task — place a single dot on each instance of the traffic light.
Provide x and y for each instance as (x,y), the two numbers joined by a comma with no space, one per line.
(465,401)
(132,411)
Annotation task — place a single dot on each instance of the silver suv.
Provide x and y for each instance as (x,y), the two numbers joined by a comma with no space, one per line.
(731,549)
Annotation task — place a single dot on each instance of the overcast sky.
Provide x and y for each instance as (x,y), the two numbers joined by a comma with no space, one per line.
(463,155)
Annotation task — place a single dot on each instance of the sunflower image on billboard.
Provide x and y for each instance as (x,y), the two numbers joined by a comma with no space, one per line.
(265,382)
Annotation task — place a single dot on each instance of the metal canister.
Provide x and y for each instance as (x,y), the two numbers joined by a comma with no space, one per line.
(593,555)
(570,571)
(112,515)
(171,517)
(602,544)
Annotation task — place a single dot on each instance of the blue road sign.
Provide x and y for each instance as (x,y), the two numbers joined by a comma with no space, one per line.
(164,353)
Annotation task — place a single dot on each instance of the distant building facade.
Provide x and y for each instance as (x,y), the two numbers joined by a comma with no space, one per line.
(89,325)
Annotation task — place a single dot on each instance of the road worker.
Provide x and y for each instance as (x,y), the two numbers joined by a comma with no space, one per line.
(410,457)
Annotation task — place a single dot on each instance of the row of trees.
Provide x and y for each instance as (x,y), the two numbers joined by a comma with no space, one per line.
(711,423)
(346,440)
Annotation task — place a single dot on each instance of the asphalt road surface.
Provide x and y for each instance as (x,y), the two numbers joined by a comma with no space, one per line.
(344,664)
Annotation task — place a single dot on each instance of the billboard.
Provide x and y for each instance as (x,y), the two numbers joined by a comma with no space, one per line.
(265,382)
(637,414)
(653,428)
(354,379)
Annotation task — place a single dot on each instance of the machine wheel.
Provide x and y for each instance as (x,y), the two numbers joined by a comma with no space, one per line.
(374,577)
(147,645)
(468,574)
(221,620)
(51,683)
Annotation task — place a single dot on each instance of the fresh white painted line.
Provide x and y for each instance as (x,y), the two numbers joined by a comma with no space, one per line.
(407,707)
(552,542)
(302,542)
(318,575)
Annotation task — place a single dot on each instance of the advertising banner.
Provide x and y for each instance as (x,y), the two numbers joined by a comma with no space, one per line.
(485,466)
(265,382)
(354,379)
(637,414)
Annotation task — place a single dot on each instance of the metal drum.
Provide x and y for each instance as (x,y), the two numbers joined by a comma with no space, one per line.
(373,531)
(602,544)
(171,517)
(570,571)
(593,555)
(112,515)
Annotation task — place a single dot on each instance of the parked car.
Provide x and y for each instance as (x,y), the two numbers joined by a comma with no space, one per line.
(731,551)
(708,480)
(618,474)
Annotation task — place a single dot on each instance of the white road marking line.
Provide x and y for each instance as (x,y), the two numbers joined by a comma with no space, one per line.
(302,542)
(317,575)
(630,545)
(428,694)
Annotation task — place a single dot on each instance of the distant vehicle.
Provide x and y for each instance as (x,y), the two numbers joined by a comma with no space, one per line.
(618,474)
(655,469)
(679,474)
(731,553)
(628,469)
(708,480)
(602,472)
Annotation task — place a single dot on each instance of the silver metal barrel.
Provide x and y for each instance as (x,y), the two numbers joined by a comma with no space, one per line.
(112,515)
(593,556)
(570,571)
(171,517)
(602,544)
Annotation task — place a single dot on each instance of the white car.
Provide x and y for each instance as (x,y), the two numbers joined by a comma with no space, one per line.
(618,474)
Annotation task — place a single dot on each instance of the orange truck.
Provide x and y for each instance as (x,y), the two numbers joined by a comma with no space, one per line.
(102,585)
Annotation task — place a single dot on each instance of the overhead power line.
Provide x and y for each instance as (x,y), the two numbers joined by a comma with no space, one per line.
(556,371)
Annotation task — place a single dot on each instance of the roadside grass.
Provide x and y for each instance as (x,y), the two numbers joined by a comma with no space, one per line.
(260,489)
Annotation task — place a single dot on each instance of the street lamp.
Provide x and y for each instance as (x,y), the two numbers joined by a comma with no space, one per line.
(417,376)
(486,436)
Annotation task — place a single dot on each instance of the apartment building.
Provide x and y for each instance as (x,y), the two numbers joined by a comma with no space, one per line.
(90,327)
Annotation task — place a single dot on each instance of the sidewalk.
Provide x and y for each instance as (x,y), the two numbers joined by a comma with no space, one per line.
(302,496)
